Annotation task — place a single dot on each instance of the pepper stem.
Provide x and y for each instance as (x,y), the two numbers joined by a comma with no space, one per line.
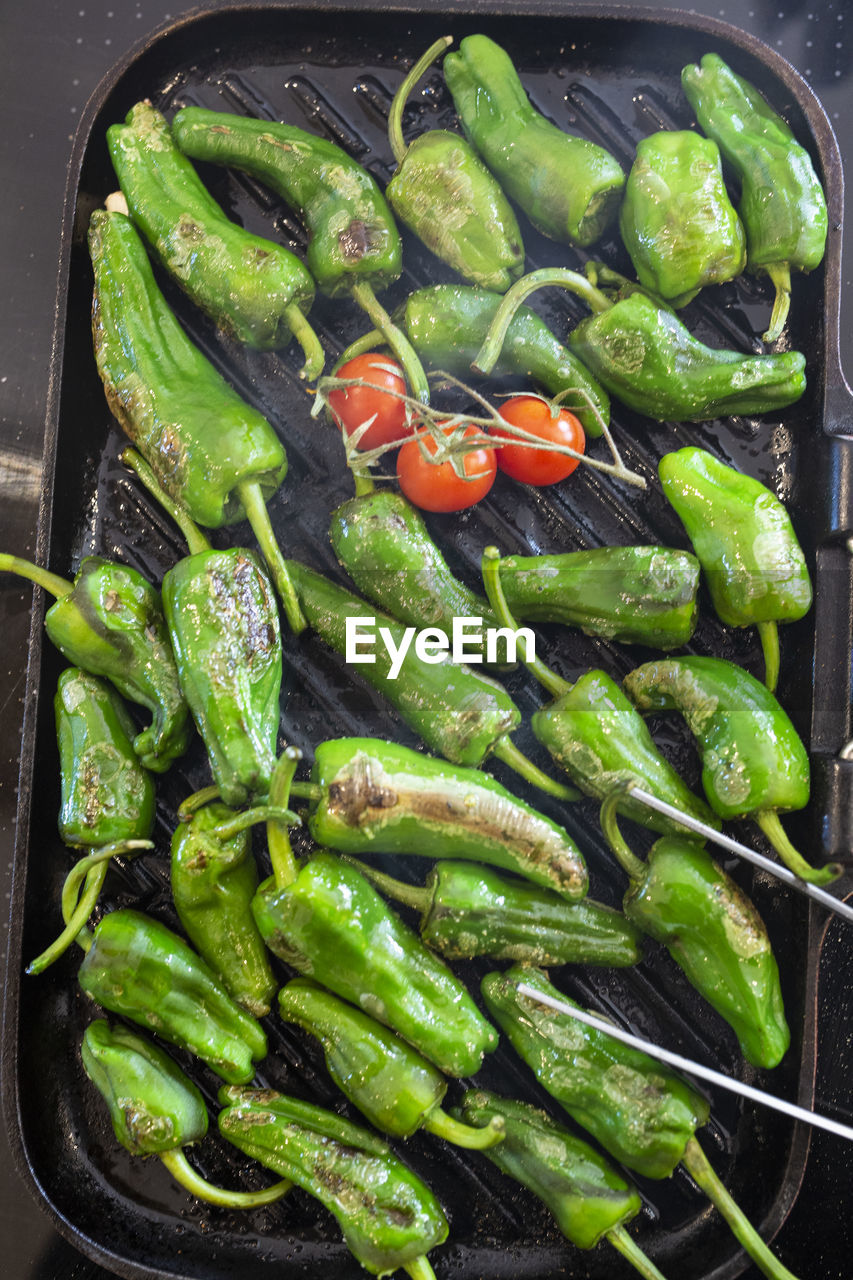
(312,349)
(251,818)
(487,356)
(398,104)
(490,566)
(416,896)
(419,1268)
(361,346)
(395,338)
(780,275)
(697,1165)
(197,801)
(183,1172)
(249,493)
(629,1249)
(77,905)
(282,857)
(51,582)
(195,539)
(506,750)
(307,790)
(769,822)
(768,634)
(634,867)
(465,1135)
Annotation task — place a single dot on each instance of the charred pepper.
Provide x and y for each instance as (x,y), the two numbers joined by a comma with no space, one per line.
(753,564)
(255,290)
(782,203)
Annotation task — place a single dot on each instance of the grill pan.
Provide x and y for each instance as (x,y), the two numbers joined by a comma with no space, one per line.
(612,74)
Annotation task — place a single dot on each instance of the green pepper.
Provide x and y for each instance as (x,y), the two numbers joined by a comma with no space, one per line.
(569,188)
(110,622)
(255,290)
(389,1218)
(443,192)
(212,453)
(373,796)
(682,898)
(390,1083)
(137,967)
(593,732)
(642,1114)
(214,878)
(156,1109)
(643,355)
(588,1198)
(469,910)
(753,564)
(354,245)
(753,761)
(330,924)
(676,220)
(459,713)
(223,623)
(448,323)
(782,203)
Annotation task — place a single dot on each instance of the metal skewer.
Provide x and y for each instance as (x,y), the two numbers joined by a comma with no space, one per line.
(743,851)
(690,1067)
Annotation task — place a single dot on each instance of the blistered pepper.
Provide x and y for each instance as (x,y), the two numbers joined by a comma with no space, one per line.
(443,192)
(643,1114)
(468,910)
(389,1218)
(639,350)
(569,187)
(390,1083)
(156,1109)
(676,219)
(255,290)
(782,203)
(109,621)
(752,562)
(754,763)
(588,1198)
(681,897)
(214,455)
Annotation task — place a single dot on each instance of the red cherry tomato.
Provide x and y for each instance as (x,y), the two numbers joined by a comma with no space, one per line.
(351,406)
(539,466)
(435,486)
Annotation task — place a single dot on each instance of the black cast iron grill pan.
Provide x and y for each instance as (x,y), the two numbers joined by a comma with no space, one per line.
(613,75)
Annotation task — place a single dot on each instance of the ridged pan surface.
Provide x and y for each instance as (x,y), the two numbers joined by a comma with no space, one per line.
(614,78)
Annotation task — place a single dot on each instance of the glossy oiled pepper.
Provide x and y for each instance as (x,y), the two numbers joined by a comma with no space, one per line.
(459,713)
(468,910)
(753,564)
(137,967)
(255,290)
(644,356)
(676,220)
(443,192)
(586,1195)
(389,1218)
(682,898)
(214,455)
(156,1109)
(371,796)
(592,730)
(330,924)
(354,245)
(447,324)
(109,621)
(782,204)
(753,761)
(569,187)
(223,623)
(641,1113)
(392,1084)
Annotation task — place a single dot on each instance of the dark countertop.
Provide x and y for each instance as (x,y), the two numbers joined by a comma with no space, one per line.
(56,53)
